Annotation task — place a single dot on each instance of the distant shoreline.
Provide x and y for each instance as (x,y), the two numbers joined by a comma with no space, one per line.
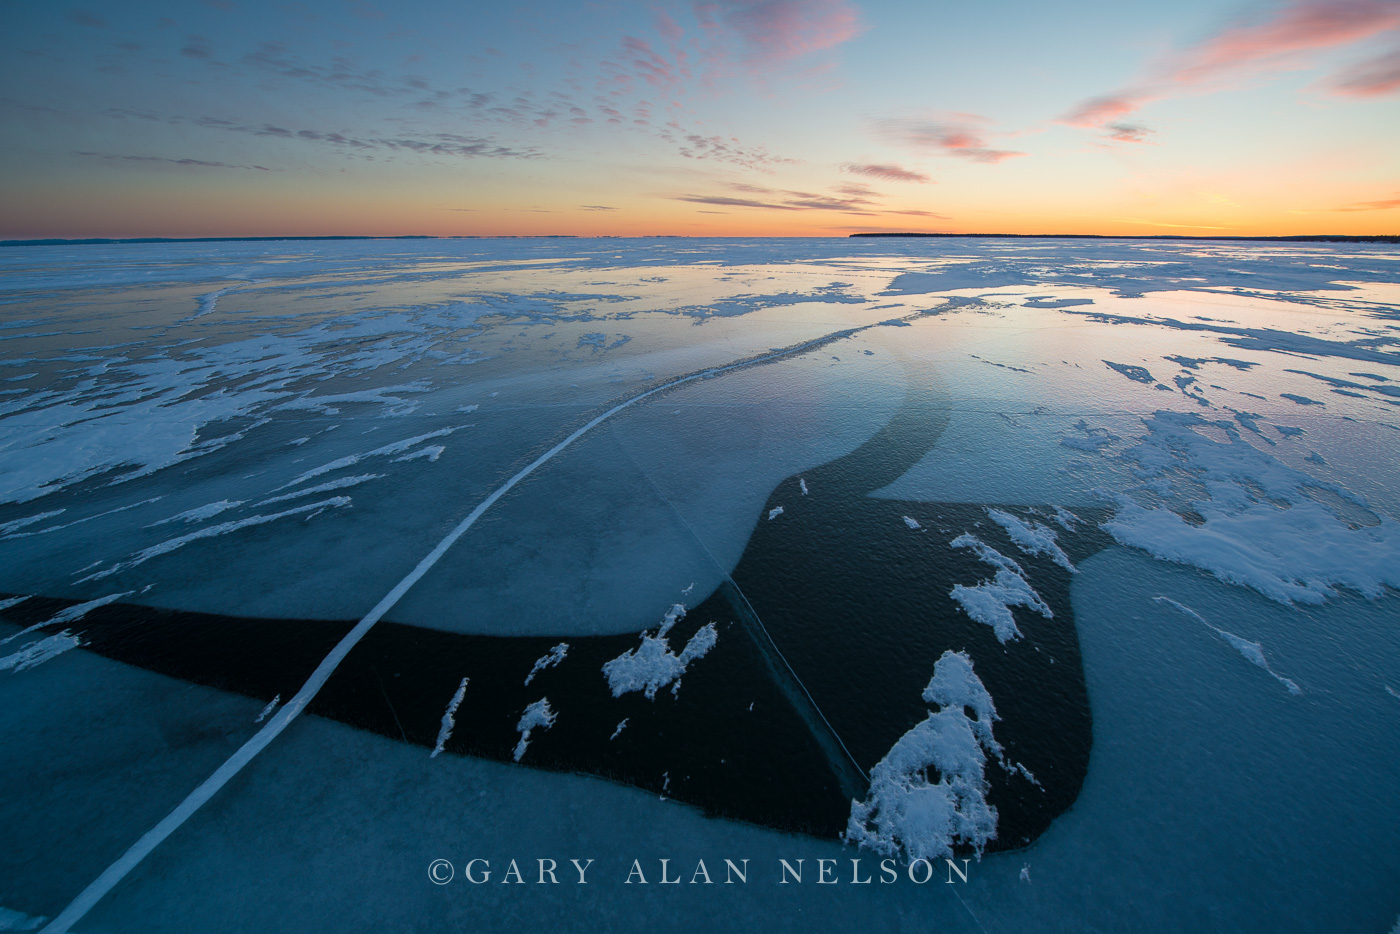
(1297,238)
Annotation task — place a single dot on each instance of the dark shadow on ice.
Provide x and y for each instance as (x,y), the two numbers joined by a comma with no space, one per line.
(828,631)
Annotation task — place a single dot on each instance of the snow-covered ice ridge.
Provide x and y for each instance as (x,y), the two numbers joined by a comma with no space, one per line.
(928,793)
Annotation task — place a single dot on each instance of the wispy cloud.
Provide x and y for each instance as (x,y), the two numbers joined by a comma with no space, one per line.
(1128,132)
(193,163)
(780,30)
(1387,205)
(1370,78)
(596,207)
(1282,39)
(960,135)
(885,170)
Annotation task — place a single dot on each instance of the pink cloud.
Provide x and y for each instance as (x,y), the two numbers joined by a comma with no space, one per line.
(1280,40)
(1371,78)
(1387,205)
(1128,132)
(781,29)
(887,171)
(959,135)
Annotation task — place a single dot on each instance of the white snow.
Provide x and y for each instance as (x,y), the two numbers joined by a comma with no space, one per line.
(397,447)
(802,482)
(326,487)
(775,512)
(37,653)
(271,706)
(449,721)
(432,453)
(554,657)
(537,716)
(200,513)
(75,612)
(990,601)
(146,554)
(1032,538)
(652,665)
(929,791)
(1264,527)
(1250,650)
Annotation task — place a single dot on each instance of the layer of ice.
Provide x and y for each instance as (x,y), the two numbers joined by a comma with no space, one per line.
(1031,537)
(36,653)
(1252,651)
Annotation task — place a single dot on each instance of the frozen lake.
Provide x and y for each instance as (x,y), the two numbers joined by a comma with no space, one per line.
(1079,560)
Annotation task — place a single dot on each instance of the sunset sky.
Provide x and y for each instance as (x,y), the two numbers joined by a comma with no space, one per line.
(706,118)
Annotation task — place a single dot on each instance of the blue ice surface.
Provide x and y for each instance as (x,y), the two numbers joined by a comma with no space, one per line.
(286,429)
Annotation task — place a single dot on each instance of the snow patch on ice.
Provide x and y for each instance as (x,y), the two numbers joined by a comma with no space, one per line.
(1264,526)
(621,725)
(326,487)
(449,720)
(200,513)
(555,656)
(75,612)
(929,792)
(12,601)
(537,716)
(912,522)
(802,482)
(397,447)
(775,512)
(1032,538)
(7,527)
(990,601)
(271,706)
(1250,650)
(36,653)
(223,528)
(432,453)
(652,665)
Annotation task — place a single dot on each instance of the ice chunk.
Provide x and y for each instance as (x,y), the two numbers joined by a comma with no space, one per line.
(620,728)
(1032,538)
(555,656)
(803,484)
(912,522)
(990,602)
(36,653)
(537,716)
(775,512)
(929,792)
(652,665)
(449,720)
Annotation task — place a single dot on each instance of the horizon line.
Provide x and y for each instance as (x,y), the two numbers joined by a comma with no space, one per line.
(1281,238)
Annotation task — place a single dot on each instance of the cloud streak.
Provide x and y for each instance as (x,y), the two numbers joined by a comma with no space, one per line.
(780,30)
(958,135)
(1281,40)
(886,171)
